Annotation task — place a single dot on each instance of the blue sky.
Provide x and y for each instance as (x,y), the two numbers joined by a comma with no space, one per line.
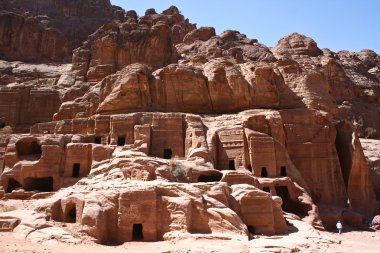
(336,24)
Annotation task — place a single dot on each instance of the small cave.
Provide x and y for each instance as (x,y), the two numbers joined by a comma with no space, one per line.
(121,141)
(98,140)
(43,184)
(210,178)
(12,185)
(231,164)
(264,172)
(76,170)
(28,150)
(266,189)
(251,229)
(137,232)
(168,153)
(2,124)
(283,171)
(343,147)
(289,205)
(71,215)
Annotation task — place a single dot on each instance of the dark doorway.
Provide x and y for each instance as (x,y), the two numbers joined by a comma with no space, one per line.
(209,178)
(2,124)
(289,205)
(266,189)
(343,147)
(249,168)
(283,171)
(12,185)
(231,165)
(98,140)
(76,169)
(251,229)
(121,140)
(137,233)
(283,192)
(72,215)
(43,184)
(264,172)
(167,153)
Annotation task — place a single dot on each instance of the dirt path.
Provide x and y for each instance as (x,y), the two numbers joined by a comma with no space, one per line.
(303,238)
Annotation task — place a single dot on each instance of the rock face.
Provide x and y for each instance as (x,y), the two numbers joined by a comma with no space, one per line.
(149,40)
(160,130)
(23,38)
(202,44)
(48,30)
(296,44)
(372,155)
(112,47)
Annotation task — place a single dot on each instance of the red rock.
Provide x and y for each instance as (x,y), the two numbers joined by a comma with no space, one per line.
(296,44)
(203,34)
(133,160)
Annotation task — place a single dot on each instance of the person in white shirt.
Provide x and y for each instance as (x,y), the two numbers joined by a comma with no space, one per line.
(339,226)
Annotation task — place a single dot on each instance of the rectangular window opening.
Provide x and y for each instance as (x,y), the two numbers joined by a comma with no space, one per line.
(76,170)
(283,171)
(98,140)
(168,153)
(264,172)
(137,233)
(121,140)
(231,164)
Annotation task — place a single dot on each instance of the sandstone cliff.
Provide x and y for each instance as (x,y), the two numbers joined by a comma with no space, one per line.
(161,130)
(48,30)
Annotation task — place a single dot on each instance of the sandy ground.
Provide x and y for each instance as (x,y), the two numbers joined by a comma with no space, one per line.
(301,237)
(353,241)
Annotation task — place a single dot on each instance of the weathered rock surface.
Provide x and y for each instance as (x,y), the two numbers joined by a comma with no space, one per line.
(148,40)
(296,44)
(371,150)
(202,44)
(220,88)
(112,145)
(49,30)
(23,38)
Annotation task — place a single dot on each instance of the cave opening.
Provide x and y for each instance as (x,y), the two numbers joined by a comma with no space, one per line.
(289,205)
(137,232)
(283,171)
(168,153)
(210,178)
(251,229)
(72,215)
(264,172)
(231,164)
(98,140)
(43,184)
(121,140)
(343,143)
(28,150)
(13,185)
(266,189)
(76,170)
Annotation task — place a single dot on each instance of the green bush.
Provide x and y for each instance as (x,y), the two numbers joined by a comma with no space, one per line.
(91,175)
(179,174)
